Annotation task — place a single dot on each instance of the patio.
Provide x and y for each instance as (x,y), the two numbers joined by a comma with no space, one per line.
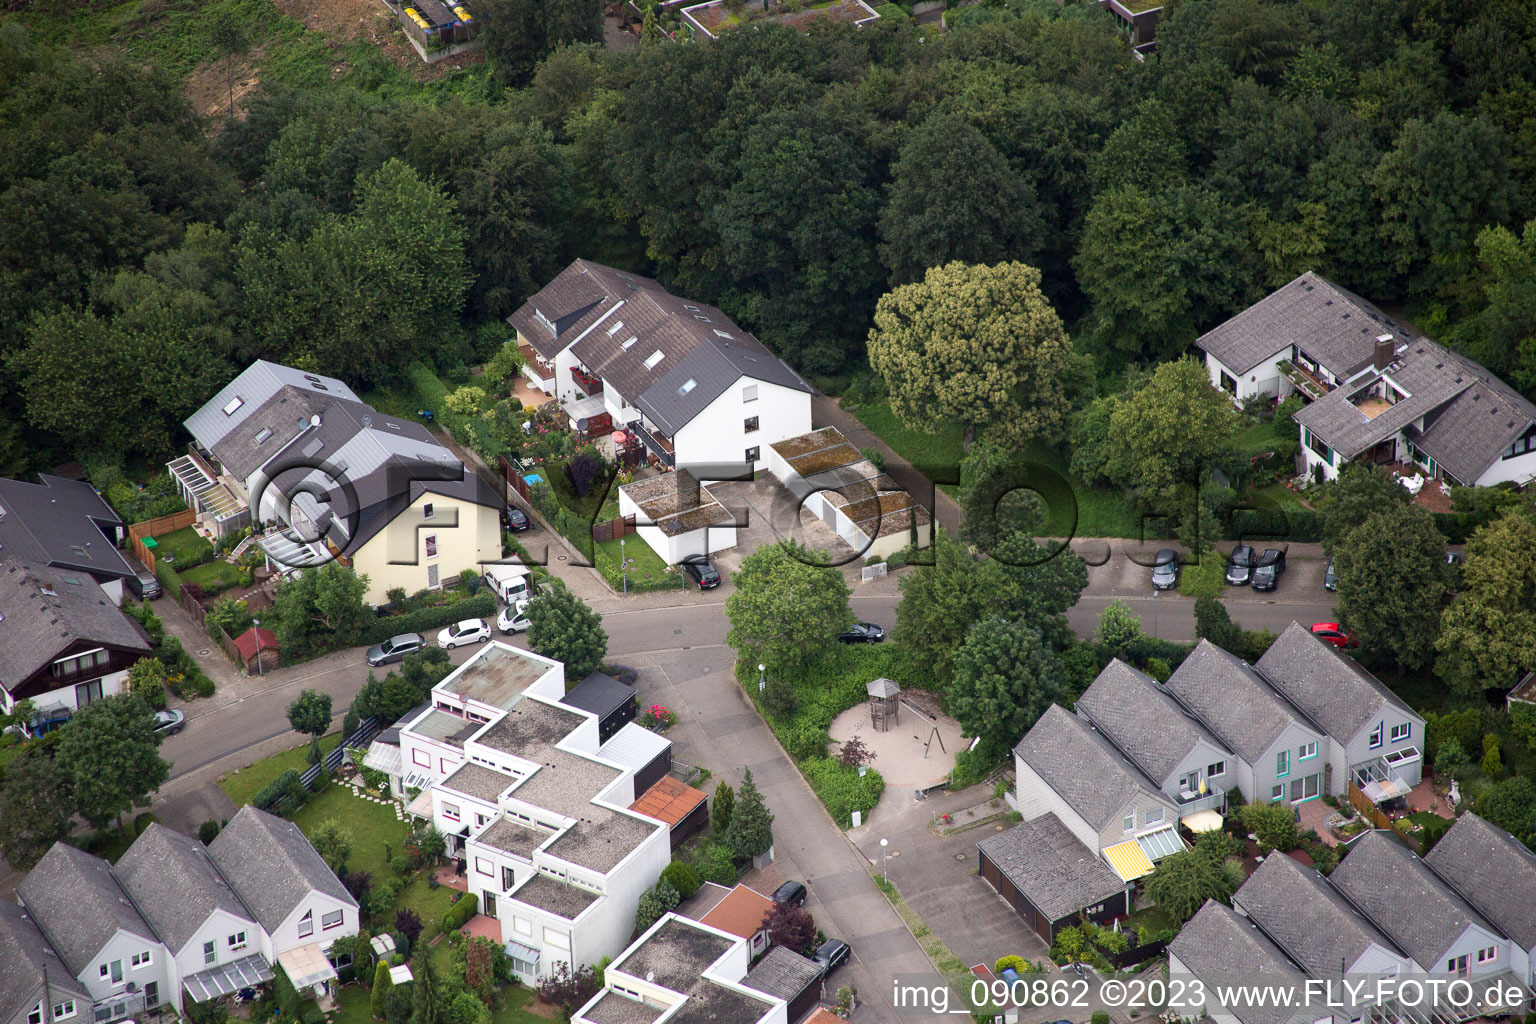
(483,927)
(449,876)
(1430,495)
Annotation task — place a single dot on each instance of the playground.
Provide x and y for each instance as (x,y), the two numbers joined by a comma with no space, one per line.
(914,743)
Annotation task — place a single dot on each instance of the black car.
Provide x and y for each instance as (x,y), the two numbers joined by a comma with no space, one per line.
(1267,573)
(142,584)
(832,954)
(701,572)
(1240,565)
(514,519)
(1165,569)
(1330,578)
(792,893)
(862,633)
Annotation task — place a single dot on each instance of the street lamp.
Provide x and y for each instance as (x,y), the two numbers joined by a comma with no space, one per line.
(256,631)
(883,844)
(623,566)
(1154,611)
(762,680)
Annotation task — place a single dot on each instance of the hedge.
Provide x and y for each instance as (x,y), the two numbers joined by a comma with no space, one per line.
(1302,525)
(460,913)
(273,792)
(482,605)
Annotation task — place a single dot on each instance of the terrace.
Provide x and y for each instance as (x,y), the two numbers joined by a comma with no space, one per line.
(1308,382)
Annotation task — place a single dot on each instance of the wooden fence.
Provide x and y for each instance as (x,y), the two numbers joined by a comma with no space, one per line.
(1373,814)
(513,478)
(613,529)
(154,528)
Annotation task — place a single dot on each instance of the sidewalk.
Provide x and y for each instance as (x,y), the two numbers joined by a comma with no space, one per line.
(946,512)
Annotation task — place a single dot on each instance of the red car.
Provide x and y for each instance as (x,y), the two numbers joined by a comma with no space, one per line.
(1333,633)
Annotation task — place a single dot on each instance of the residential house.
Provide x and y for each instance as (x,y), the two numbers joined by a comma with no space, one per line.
(1137,22)
(64,525)
(99,933)
(744,913)
(1279,753)
(1220,947)
(1442,932)
(1495,873)
(289,889)
(205,927)
(63,642)
(1373,736)
(697,389)
(343,479)
(1190,765)
(614,703)
(1050,878)
(1064,766)
(34,983)
(684,971)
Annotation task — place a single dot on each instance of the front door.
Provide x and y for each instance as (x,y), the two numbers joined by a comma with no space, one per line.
(489,905)
(151,994)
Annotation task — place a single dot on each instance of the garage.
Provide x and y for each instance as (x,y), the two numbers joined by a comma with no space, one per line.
(1049,877)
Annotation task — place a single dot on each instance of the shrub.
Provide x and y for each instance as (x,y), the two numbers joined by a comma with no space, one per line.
(270,796)
(1206,578)
(806,740)
(1016,963)
(682,878)
(971,766)
(208,831)
(648,911)
(408,923)
(842,788)
(426,620)
(1273,824)
(460,912)
(715,862)
(1493,762)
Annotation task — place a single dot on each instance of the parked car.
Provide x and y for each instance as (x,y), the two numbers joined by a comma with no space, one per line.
(142,584)
(514,519)
(469,631)
(1330,578)
(1240,565)
(169,722)
(862,633)
(1453,558)
(513,618)
(394,649)
(792,893)
(1165,569)
(1335,634)
(832,954)
(699,570)
(1267,573)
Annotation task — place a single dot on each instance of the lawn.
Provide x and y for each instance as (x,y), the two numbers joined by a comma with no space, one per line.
(185,547)
(1274,495)
(430,904)
(354,1002)
(373,826)
(214,577)
(646,571)
(1154,919)
(243,785)
(936,456)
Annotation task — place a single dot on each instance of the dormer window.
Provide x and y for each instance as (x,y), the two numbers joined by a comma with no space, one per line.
(688,385)
(233,406)
(652,359)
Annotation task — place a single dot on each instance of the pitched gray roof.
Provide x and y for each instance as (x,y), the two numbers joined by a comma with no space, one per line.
(1051,867)
(1081,766)
(1231,699)
(396,485)
(1494,872)
(783,973)
(24,955)
(1402,897)
(59,522)
(573,301)
(79,905)
(1333,690)
(1297,908)
(46,610)
(1218,944)
(255,385)
(1474,431)
(1334,326)
(271,866)
(1133,711)
(173,881)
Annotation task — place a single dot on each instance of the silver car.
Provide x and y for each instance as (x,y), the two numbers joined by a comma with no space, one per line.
(394,649)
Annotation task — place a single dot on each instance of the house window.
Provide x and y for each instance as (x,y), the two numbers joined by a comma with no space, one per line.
(451,812)
(1129,823)
(1488,955)
(652,359)
(749,425)
(263,434)
(1228,383)
(87,692)
(1376,736)
(1402,732)
(508,879)
(105,1013)
(433,579)
(1152,817)
(618,325)
(307,924)
(1277,793)
(721,333)
(237,940)
(36,1016)
(556,939)
(430,541)
(1306,750)
(1282,764)
(688,385)
(80,663)
(417,757)
(691,309)
(702,318)
(427,510)
(64,1009)
(749,393)
(485,867)
(1317,446)
(479,820)
(140,960)
(331,920)
(1213,770)
(522,927)
(210,952)
(754,453)
(1457,965)
(629,343)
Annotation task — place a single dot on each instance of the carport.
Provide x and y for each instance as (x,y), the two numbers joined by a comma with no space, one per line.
(1050,878)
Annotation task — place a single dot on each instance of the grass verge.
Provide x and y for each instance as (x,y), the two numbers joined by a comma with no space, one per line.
(243,785)
(943,958)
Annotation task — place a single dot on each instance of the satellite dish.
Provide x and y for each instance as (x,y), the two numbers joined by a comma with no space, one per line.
(581,425)
(314,420)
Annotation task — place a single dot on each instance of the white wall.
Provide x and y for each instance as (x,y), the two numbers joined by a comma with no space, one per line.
(1521,468)
(1291,739)
(716,434)
(1140,803)
(1359,747)
(674,549)
(111,685)
(1379,960)
(1202,756)
(1264,377)
(219,926)
(121,946)
(287,935)
(114,591)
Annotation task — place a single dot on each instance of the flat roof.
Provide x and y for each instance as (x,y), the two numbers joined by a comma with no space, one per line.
(600,694)
(675,504)
(602,839)
(565,784)
(481,783)
(496,676)
(446,727)
(511,836)
(555,897)
(677,953)
(669,800)
(709,1003)
(613,1008)
(816,440)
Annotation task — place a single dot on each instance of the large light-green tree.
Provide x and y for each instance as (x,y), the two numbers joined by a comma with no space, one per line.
(1488,633)
(1005,677)
(1393,583)
(1162,437)
(564,627)
(110,753)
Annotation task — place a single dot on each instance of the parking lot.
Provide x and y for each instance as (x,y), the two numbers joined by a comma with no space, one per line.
(1124,568)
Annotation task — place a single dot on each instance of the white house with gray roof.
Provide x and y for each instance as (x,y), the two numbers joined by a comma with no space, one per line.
(100,934)
(35,986)
(1280,754)
(1494,872)
(696,388)
(1374,738)
(1220,947)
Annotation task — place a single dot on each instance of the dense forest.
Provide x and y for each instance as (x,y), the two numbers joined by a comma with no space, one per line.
(353,219)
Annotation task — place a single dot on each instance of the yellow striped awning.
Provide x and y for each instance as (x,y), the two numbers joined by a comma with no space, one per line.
(1129,862)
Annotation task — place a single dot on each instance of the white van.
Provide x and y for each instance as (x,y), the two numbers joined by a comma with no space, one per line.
(508,582)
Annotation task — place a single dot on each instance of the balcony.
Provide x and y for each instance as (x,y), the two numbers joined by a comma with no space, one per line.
(1307,382)
(657,443)
(1214,799)
(589,383)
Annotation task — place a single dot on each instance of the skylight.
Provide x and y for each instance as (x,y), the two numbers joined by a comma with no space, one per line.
(688,385)
(700,316)
(263,434)
(721,333)
(652,359)
(618,325)
(234,404)
(691,309)
(631,341)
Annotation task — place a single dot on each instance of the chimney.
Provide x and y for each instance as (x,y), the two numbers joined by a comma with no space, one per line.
(1386,348)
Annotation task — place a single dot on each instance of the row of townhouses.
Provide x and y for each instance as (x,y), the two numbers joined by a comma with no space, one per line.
(171,921)
(1105,790)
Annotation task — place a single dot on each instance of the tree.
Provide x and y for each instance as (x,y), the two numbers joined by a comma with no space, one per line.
(36,808)
(974,345)
(1488,632)
(466,401)
(788,609)
(226,617)
(520,33)
(426,994)
(725,803)
(468,1007)
(648,910)
(319,607)
(1119,628)
(1498,326)
(789,926)
(1181,883)
(1167,433)
(999,495)
(1393,581)
(1360,491)
(1005,678)
(229,40)
(109,754)
(382,983)
(1511,805)
(1214,624)
(480,966)
(954,197)
(751,831)
(332,842)
(566,989)
(310,713)
(146,681)
(1274,824)
(1493,762)
(562,627)
(854,753)
(683,878)
(1452,759)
